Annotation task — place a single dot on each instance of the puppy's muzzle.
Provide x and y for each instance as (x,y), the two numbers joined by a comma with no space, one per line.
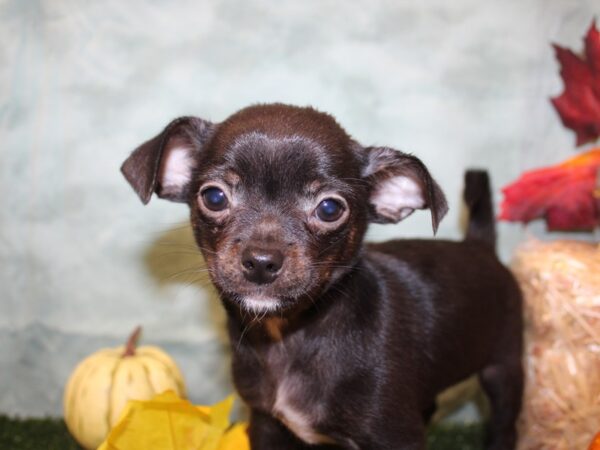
(260,265)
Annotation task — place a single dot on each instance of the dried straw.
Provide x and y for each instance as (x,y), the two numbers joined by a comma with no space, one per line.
(561,286)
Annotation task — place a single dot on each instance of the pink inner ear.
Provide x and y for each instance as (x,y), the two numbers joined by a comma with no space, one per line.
(397,197)
(176,169)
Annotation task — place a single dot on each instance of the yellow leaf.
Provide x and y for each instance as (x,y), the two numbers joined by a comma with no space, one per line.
(236,438)
(168,422)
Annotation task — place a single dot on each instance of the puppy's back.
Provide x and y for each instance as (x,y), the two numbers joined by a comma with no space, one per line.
(453,301)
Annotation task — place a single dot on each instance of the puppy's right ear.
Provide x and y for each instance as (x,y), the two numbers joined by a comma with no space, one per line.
(165,163)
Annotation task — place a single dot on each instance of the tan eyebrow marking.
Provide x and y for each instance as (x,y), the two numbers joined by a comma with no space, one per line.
(231,178)
(314,187)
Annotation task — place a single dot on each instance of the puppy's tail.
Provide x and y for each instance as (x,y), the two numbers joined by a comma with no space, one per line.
(478,198)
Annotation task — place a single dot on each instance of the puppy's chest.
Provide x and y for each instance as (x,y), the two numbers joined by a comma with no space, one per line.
(292,390)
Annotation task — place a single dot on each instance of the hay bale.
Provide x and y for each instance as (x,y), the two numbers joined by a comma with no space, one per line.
(561,286)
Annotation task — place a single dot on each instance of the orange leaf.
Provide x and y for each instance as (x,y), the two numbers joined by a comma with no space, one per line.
(595,445)
(562,194)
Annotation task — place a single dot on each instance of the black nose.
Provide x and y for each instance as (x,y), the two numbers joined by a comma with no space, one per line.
(261,266)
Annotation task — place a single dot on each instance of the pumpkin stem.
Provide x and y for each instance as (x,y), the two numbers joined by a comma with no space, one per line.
(132,342)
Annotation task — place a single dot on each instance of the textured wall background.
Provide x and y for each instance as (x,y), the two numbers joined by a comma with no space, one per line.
(458,83)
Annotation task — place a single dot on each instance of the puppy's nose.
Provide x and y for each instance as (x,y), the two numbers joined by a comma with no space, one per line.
(261,266)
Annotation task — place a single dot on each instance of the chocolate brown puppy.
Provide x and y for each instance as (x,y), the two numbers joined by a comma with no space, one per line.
(338,344)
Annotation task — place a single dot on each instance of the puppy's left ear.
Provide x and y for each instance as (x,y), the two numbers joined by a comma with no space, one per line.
(399,184)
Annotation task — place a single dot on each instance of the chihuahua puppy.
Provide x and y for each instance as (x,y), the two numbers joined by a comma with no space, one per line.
(338,344)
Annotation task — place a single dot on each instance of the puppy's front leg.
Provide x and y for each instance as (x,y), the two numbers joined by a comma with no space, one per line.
(400,442)
(267,433)
(407,433)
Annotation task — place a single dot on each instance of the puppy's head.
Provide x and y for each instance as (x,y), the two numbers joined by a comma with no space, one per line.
(280,198)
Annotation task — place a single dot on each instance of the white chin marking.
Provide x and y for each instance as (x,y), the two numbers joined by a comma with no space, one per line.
(259,304)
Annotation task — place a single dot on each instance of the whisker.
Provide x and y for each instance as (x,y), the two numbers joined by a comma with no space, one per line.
(212,252)
(166,228)
(181,252)
(192,247)
(193,270)
(176,244)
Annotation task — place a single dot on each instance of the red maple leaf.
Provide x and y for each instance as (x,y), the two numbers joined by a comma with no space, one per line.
(565,195)
(579,104)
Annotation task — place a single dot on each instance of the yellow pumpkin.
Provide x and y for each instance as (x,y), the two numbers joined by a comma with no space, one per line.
(100,386)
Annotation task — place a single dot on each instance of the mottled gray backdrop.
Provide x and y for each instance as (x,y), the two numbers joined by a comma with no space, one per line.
(459,83)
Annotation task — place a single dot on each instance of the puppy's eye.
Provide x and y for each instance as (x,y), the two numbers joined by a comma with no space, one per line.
(330,210)
(214,199)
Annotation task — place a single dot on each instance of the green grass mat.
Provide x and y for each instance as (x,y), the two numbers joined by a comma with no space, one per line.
(51,434)
(35,434)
